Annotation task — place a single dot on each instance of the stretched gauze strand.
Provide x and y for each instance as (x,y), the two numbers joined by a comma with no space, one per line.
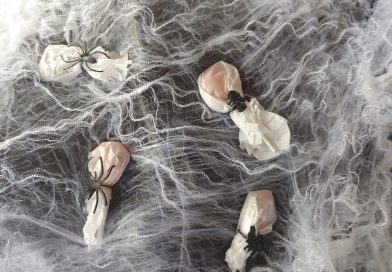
(62,63)
(106,164)
(262,133)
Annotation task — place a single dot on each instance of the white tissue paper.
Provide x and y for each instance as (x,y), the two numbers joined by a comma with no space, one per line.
(95,223)
(262,133)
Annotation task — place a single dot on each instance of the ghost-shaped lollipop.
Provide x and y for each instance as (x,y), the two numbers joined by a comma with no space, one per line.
(257,217)
(262,133)
(106,164)
(62,63)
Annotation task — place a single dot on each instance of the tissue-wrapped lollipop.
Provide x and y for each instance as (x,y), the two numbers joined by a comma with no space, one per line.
(62,63)
(258,215)
(262,133)
(106,165)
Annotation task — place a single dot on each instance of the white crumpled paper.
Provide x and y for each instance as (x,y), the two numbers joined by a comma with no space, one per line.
(112,154)
(258,211)
(237,255)
(95,224)
(59,63)
(262,133)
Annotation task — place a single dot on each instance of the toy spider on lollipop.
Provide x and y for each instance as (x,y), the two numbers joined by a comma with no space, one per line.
(105,167)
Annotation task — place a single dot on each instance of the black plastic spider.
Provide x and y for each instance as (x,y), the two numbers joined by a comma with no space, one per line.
(97,183)
(236,101)
(257,242)
(85,58)
(259,246)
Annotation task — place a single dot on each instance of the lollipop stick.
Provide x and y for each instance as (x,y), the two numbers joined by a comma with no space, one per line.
(271,145)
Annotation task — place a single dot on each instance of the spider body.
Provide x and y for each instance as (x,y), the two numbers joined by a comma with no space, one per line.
(89,59)
(86,58)
(236,101)
(256,242)
(97,182)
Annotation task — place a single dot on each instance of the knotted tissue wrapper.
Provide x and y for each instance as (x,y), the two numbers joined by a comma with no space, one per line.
(63,63)
(262,133)
(112,154)
(258,211)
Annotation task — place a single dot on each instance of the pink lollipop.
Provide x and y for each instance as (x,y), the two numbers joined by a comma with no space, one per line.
(263,134)
(258,212)
(106,165)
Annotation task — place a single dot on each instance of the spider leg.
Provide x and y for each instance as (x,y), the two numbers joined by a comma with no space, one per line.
(92,191)
(84,70)
(109,172)
(102,170)
(92,68)
(242,234)
(90,176)
(89,51)
(81,57)
(96,202)
(104,196)
(230,109)
(81,48)
(85,48)
(72,65)
(99,52)
(88,170)
(69,61)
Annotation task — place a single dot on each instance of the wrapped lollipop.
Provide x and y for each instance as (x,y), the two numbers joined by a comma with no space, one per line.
(106,165)
(262,133)
(62,63)
(257,217)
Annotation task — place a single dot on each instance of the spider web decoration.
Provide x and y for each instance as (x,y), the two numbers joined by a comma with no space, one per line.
(324,65)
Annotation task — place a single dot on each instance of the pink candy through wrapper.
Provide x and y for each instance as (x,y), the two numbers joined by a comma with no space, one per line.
(258,211)
(218,80)
(106,165)
(112,154)
(263,134)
